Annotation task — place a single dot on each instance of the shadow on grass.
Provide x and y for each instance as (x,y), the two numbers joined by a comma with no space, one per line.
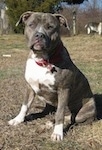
(48,109)
(51,109)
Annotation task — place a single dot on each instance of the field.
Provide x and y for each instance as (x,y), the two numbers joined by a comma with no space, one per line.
(86,52)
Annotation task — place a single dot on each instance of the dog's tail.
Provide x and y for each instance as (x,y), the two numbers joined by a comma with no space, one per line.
(98,103)
(86,26)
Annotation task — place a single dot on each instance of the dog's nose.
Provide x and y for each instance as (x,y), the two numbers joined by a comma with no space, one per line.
(39,35)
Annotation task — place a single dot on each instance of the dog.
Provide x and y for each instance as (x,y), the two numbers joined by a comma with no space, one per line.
(94,27)
(51,74)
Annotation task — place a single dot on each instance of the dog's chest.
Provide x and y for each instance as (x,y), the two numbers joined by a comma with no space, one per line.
(37,75)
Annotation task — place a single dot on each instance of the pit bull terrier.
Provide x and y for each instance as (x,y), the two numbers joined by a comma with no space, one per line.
(51,74)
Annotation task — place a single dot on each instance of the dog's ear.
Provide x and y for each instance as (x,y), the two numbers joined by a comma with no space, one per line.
(24,17)
(62,20)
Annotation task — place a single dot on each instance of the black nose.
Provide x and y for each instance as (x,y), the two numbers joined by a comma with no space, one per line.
(39,35)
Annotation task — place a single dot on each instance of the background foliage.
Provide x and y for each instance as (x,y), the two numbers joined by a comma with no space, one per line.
(90,11)
(17,7)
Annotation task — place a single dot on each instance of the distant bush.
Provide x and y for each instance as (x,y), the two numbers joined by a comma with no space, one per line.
(17,7)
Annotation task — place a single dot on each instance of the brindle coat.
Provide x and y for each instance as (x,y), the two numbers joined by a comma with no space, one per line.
(51,74)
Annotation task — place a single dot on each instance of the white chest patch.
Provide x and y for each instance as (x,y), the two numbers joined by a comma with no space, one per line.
(35,75)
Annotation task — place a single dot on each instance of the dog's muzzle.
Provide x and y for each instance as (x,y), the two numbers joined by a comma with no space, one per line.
(39,42)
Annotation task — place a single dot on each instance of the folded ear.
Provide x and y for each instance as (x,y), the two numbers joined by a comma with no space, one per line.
(62,20)
(24,17)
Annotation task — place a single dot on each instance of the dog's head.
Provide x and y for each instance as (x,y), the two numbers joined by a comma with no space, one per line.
(42,29)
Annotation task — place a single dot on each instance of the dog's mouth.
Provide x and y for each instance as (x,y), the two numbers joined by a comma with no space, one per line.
(39,42)
(38,45)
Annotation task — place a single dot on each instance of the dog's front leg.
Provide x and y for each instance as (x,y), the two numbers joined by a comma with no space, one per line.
(57,134)
(25,106)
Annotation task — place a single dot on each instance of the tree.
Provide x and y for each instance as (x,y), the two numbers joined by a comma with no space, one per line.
(17,7)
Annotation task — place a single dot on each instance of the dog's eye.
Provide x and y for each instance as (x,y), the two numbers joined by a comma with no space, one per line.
(31,25)
(49,27)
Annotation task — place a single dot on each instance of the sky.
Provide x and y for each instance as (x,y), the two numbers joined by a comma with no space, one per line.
(90,2)
(85,4)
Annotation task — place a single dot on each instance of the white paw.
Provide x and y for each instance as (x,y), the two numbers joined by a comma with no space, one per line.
(15,121)
(57,134)
(56,137)
(20,117)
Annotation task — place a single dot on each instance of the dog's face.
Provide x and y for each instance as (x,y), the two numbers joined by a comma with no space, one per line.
(42,30)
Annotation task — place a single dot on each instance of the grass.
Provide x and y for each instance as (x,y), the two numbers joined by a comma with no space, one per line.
(86,52)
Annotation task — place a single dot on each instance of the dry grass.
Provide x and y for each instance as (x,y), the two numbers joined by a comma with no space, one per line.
(86,52)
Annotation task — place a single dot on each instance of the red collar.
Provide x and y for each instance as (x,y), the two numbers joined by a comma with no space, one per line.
(42,62)
(56,57)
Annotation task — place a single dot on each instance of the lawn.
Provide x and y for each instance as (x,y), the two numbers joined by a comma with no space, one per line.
(86,52)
